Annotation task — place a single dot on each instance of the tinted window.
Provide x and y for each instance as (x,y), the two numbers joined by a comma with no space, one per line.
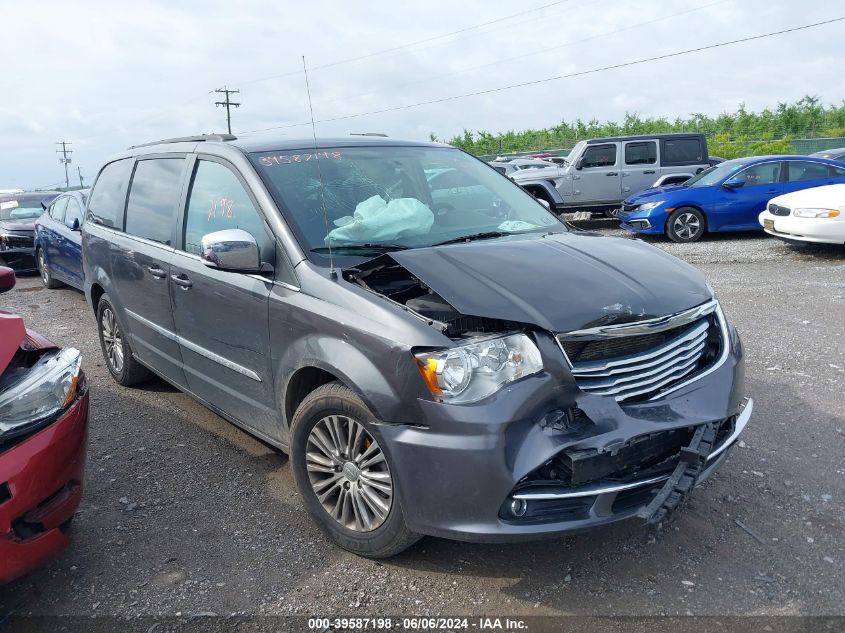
(219,201)
(153,198)
(805,170)
(600,156)
(760,174)
(73,212)
(838,171)
(641,153)
(682,151)
(57,211)
(109,194)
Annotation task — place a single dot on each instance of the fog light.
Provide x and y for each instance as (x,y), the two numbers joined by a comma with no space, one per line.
(519,507)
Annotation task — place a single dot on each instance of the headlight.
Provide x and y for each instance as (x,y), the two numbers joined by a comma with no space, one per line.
(648,206)
(42,391)
(815,213)
(480,368)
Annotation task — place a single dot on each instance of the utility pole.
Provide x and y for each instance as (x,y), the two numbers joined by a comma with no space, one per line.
(227,103)
(79,171)
(65,159)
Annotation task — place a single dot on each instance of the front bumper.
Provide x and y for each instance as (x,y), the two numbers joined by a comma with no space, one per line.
(642,222)
(21,260)
(40,489)
(458,476)
(816,230)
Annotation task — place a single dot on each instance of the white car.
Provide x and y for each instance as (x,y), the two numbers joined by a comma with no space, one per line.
(810,215)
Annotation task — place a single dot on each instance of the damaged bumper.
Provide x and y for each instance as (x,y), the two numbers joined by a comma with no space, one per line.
(544,457)
(40,489)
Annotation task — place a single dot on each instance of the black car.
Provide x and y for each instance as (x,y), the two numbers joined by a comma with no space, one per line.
(18,213)
(454,362)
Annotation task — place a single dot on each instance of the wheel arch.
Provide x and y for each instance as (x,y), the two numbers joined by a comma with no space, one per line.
(695,206)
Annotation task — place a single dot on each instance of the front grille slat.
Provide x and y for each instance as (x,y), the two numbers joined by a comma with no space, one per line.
(640,361)
(610,362)
(776,209)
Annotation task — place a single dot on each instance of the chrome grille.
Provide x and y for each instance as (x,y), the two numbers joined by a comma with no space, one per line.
(643,359)
(776,209)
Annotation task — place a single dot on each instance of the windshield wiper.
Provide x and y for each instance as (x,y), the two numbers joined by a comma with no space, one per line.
(474,236)
(380,248)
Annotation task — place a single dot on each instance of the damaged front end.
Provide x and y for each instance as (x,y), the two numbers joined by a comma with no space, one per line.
(617,417)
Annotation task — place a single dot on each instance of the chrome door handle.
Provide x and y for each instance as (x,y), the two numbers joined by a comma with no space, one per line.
(182,281)
(158,273)
(648,171)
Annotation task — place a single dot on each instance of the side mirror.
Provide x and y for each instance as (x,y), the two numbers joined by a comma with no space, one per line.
(733,183)
(233,250)
(579,164)
(545,203)
(43,206)
(7,279)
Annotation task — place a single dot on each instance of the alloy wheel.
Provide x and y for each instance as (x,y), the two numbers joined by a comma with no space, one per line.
(349,473)
(112,340)
(42,267)
(686,225)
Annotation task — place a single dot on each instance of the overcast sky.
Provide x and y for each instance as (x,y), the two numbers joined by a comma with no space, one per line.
(105,75)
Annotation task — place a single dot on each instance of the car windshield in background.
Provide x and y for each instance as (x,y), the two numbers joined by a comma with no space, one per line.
(20,209)
(713,175)
(396,197)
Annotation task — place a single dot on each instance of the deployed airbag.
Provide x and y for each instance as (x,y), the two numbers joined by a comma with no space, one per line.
(377,221)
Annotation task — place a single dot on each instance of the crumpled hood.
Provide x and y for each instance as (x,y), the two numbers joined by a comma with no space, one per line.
(558,282)
(18,226)
(12,334)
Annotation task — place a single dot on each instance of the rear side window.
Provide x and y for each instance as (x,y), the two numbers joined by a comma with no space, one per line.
(682,151)
(153,198)
(641,153)
(838,171)
(219,201)
(73,212)
(600,156)
(109,196)
(57,211)
(805,170)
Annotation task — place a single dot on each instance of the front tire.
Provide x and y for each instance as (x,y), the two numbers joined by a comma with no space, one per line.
(116,351)
(344,476)
(44,270)
(686,225)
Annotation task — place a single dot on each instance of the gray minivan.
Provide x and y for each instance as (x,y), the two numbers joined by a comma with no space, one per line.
(600,173)
(436,351)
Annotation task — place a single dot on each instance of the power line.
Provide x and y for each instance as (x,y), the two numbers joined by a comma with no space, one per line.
(64,159)
(393,49)
(558,77)
(228,104)
(537,52)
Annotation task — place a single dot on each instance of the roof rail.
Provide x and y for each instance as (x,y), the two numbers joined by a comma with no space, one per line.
(367,134)
(189,139)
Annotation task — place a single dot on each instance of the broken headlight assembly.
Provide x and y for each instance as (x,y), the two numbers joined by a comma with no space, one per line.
(40,392)
(479,368)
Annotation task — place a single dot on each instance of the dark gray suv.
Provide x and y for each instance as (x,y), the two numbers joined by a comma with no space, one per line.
(437,352)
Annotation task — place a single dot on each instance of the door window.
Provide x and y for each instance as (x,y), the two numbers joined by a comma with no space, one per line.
(761,174)
(219,201)
(805,170)
(57,211)
(641,153)
(153,198)
(109,196)
(682,151)
(599,156)
(73,212)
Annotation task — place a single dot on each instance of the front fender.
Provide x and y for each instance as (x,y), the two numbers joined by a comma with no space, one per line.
(546,186)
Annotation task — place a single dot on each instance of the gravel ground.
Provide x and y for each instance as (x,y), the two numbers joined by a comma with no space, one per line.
(183,513)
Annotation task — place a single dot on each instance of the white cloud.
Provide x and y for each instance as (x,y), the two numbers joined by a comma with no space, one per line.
(105,75)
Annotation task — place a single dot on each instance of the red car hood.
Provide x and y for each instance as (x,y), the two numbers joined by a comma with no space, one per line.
(14,336)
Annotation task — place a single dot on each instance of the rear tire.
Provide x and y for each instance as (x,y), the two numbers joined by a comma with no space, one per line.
(44,270)
(116,351)
(686,225)
(335,454)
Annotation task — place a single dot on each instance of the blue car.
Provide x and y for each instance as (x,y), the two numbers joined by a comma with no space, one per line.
(726,197)
(58,242)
